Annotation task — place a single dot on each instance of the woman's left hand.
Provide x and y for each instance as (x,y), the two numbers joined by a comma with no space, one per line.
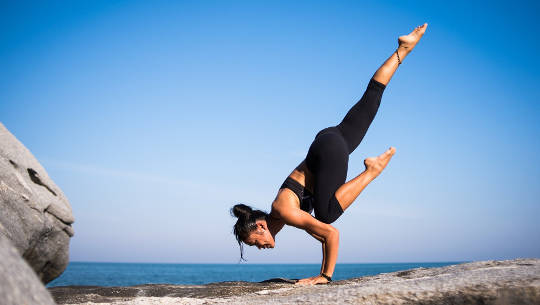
(312,280)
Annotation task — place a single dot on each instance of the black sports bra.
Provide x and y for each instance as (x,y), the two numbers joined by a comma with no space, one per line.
(303,194)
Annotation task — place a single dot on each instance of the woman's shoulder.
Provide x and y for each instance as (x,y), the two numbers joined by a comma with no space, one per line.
(285,200)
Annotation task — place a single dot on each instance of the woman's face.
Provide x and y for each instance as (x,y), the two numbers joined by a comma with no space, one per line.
(261,238)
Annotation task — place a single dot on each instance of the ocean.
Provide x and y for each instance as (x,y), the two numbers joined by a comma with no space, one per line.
(128,274)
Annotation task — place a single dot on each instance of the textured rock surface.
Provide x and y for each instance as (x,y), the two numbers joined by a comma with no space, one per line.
(488,282)
(18,283)
(34,213)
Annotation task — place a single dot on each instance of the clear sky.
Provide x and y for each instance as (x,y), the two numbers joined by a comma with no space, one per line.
(155,117)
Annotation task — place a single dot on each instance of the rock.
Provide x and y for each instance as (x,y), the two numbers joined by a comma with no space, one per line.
(18,282)
(487,282)
(34,213)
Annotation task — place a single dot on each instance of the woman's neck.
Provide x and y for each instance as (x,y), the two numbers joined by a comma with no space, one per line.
(274,224)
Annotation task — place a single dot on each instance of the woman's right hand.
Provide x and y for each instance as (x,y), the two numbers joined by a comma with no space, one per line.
(314,280)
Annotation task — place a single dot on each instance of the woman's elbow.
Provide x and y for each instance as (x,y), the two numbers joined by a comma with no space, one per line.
(332,235)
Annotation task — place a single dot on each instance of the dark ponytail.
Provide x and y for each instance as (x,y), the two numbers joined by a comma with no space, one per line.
(245,223)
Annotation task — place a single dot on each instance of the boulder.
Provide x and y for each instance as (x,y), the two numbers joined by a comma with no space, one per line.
(18,283)
(34,213)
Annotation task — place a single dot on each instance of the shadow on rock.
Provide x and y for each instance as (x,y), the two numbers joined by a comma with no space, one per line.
(280,280)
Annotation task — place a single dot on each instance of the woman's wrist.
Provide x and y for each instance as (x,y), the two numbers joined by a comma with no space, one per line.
(329,278)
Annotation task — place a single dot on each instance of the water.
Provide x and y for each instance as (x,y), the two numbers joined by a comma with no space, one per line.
(128,274)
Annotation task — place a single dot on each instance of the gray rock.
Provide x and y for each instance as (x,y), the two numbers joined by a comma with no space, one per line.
(34,213)
(19,284)
(487,282)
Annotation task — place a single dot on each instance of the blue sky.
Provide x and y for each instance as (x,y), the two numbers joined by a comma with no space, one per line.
(155,117)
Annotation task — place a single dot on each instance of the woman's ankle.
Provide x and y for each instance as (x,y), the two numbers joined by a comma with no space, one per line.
(403,52)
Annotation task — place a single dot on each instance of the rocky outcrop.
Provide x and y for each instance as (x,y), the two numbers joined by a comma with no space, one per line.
(34,213)
(487,282)
(18,282)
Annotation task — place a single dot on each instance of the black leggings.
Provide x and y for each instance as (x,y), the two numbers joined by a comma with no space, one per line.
(328,155)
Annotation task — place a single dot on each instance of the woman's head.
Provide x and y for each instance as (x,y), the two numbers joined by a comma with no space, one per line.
(251,228)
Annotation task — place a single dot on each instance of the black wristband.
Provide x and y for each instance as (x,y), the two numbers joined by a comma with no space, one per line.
(329,278)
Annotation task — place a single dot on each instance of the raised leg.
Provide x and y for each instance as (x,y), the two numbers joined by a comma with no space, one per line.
(348,192)
(356,122)
(405,45)
(327,159)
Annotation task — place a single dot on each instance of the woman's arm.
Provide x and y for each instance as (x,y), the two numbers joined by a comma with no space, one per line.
(328,235)
(317,237)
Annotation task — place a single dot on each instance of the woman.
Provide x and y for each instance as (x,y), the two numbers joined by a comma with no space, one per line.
(318,183)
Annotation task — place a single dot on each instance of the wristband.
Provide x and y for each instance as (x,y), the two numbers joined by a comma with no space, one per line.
(329,278)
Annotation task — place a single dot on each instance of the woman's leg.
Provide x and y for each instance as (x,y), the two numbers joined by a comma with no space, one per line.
(357,120)
(327,160)
(406,44)
(347,193)
(328,155)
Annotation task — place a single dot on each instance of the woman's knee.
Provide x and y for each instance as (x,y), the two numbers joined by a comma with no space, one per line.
(331,214)
(323,217)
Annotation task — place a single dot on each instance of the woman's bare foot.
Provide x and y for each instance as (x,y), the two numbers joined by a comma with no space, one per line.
(407,42)
(375,165)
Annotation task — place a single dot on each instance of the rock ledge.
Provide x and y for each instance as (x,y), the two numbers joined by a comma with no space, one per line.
(486,282)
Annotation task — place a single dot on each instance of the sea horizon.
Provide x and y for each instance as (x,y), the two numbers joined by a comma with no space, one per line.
(263,263)
(79,273)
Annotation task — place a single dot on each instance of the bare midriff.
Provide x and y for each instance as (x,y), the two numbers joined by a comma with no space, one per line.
(303,176)
(286,198)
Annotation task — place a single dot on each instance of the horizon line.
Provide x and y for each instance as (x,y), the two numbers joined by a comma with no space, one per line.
(286,263)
